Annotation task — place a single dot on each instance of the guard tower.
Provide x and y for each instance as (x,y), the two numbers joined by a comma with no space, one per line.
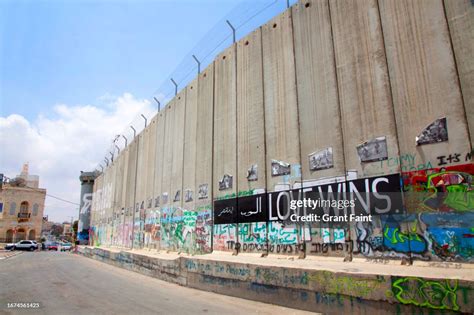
(87,183)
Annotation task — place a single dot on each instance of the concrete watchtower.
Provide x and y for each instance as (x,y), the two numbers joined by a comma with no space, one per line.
(87,183)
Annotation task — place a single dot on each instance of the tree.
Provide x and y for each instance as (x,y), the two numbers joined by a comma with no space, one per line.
(57,230)
(74,227)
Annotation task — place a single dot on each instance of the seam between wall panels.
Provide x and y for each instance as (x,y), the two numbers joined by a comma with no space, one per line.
(236,175)
(212,155)
(456,68)
(290,12)
(264,136)
(389,77)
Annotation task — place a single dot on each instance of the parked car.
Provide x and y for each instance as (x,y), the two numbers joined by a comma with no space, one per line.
(10,246)
(53,246)
(66,246)
(22,245)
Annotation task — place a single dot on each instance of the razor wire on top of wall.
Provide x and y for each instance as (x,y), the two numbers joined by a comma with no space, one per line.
(243,19)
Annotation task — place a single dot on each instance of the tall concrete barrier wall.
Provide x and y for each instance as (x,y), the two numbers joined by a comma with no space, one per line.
(151,214)
(460,17)
(251,177)
(368,97)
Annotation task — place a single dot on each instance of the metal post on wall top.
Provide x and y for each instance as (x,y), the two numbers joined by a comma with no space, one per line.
(145,119)
(158,102)
(175,87)
(198,62)
(233,30)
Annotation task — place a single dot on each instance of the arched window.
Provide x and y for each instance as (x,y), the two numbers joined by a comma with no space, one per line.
(35,209)
(24,207)
(12,208)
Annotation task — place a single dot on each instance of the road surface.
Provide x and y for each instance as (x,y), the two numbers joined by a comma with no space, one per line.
(64,283)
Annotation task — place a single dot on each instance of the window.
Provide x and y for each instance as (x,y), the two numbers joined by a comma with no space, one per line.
(24,207)
(24,242)
(12,208)
(35,209)
(1,207)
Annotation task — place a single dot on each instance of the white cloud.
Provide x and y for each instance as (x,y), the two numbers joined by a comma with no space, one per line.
(59,148)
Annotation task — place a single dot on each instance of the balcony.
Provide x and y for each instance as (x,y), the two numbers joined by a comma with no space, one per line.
(23,216)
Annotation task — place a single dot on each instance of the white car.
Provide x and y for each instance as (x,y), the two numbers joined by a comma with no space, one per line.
(65,246)
(26,245)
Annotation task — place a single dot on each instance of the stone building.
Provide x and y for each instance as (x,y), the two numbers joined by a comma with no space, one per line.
(21,208)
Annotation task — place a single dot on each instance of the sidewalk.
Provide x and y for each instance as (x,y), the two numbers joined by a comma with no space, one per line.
(322,284)
(439,270)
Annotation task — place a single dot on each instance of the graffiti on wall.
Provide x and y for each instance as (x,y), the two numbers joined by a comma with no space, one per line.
(435,294)
(224,233)
(172,228)
(186,230)
(152,228)
(203,229)
(437,226)
(444,189)
(450,235)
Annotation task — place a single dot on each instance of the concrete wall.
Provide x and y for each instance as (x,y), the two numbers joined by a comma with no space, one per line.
(297,287)
(154,221)
(331,95)
(280,101)
(460,19)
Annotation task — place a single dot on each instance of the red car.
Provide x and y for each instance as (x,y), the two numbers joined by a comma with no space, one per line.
(53,246)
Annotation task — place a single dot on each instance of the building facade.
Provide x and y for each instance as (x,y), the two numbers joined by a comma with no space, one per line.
(21,208)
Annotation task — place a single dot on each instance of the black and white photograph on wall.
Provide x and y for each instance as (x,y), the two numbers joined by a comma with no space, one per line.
(280,168)
(321,160)
(373,150)
(225,182)
(252,174)
(203,191)
(157,201)
(164,198)
(177,196)
(188,195)
(435,132)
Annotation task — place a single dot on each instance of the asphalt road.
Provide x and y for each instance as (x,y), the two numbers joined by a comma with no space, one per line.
(64,283)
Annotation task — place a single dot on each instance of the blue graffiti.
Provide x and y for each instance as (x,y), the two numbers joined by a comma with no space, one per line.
(452,234)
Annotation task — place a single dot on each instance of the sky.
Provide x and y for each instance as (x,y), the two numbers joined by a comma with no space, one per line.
(74,73)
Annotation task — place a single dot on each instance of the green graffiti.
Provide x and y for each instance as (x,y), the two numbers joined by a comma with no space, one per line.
(178,232)
(337,284)
(454,187)
(395,236)
(234,195)
(438,295)
(189,218)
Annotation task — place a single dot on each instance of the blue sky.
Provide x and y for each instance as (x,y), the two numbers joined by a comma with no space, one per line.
(74,52)
(75,73)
